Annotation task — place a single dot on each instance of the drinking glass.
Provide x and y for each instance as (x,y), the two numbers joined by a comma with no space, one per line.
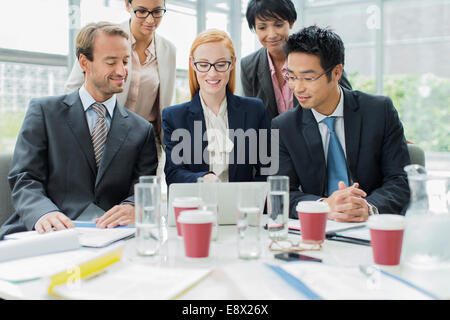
(278,207)
(251,199)
(208,192)
(157,180)
(148,218)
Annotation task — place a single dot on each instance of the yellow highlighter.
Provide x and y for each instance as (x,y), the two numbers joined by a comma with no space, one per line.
(86,269)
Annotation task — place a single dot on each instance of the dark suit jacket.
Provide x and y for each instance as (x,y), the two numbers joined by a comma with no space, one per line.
(257,81)
(375,147)
(243,113)
(53,167)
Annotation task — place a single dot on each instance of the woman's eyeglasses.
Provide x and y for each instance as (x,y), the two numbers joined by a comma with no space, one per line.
(143,13)
(289,246)
(219,66)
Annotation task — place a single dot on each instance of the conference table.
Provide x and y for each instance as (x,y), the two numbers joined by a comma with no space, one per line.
(231,278)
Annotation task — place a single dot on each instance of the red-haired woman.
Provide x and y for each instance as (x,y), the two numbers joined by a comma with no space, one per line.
(216,133)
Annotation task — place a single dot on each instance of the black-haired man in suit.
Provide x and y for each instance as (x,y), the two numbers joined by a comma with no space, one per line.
(342,146)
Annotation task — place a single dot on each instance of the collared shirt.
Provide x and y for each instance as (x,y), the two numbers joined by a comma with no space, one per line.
(338,125)
(219,144)
(91,116)
(144,83)
(283,96)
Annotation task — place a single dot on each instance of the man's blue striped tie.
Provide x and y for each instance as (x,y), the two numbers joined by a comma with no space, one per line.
(336,165)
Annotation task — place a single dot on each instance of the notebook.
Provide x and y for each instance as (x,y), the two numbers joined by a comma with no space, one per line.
(30,243)
(136,282)
(85,234)
(320,281)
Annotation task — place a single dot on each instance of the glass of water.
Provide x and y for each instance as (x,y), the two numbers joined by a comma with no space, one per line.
(208,192)
(157,180)
(278,207)
(251,199)
(148,218)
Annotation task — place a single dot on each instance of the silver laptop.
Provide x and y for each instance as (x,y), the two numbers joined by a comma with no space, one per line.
(227,199)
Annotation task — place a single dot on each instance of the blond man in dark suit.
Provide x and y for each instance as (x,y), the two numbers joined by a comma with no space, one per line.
(68,156)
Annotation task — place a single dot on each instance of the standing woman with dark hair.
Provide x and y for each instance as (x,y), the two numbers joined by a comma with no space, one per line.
(150,85)
(262,72)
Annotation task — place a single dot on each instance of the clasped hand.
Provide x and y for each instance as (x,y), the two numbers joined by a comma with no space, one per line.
(347,204)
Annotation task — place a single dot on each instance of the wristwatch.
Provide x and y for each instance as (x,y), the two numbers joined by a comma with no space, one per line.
(372,209)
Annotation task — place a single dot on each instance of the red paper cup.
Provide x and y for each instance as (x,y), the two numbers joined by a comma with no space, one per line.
(196,226)
(386,238)
(313,220)
(182,204)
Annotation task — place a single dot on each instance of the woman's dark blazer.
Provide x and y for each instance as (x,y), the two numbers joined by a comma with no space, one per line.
(184,159)
(257,81)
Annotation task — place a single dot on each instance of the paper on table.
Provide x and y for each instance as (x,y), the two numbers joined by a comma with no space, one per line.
(10,291)
(88,268)
(43,265)
(97,238)
(359,233)
(49,264)
(332,226)
(336,282)
(87,237)
(244,281)
(38,244)
(136,282)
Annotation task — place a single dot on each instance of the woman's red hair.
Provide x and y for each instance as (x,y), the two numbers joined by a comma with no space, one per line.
(207,36)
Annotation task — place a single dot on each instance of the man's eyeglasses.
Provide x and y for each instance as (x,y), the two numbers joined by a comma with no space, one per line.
(220,66)
(291,79)
(143,13)
(289,246)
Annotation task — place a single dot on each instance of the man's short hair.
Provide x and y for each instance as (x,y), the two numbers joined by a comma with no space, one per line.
(321,42)
(270,9)
(86,37)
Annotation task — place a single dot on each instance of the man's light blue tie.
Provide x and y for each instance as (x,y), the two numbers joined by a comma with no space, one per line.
(336,165)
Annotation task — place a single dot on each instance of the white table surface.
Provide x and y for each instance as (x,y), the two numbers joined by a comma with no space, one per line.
(232,278)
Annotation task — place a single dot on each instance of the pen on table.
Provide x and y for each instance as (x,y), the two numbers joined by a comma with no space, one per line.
(294,231)
(83,224)
(338,237)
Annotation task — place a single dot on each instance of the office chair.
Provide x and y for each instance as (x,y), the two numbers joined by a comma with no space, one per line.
(416,154)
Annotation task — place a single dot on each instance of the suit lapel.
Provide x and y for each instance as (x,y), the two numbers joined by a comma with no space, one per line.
(117,134)
(76,119)
(266,82)
(236,120)
(195,117)
(313,141)
(352,124)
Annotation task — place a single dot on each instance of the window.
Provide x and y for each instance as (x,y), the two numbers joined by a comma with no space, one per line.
(395,48)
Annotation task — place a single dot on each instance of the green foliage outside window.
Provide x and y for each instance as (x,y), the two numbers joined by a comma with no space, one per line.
(423,104)
(10,123)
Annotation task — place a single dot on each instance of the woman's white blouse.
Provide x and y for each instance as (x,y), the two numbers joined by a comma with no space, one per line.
(219,144)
